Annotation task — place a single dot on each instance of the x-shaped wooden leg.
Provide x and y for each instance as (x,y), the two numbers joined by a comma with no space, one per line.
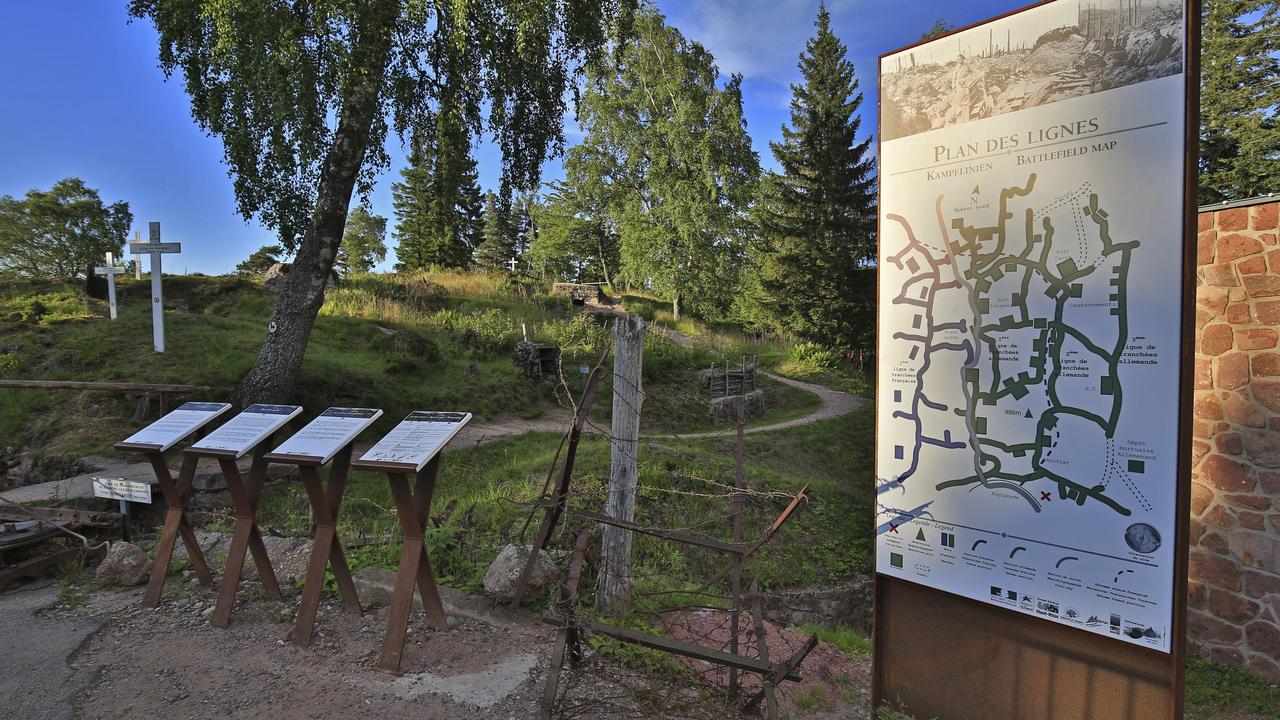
(415,567)
(326,549)
(175,524)
(245,536)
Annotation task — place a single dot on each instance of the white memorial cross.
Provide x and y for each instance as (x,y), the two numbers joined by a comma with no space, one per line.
(111,271)
(156,249)
(512,264)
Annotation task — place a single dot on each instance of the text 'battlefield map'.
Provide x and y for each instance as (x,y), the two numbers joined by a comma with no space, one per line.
(1030,268)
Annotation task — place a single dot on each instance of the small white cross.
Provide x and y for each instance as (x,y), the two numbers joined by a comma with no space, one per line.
(111,271)
(156,250)
(512,264)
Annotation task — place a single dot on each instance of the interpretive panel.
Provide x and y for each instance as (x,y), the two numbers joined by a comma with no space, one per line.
(241,433)
(1030,314)
(417,438)
(173,427)
(323,437)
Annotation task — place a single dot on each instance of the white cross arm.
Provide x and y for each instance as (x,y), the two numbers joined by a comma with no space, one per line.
(147,248)
(108,270)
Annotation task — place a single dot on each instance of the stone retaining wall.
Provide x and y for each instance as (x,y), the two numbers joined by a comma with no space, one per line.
(1234,604)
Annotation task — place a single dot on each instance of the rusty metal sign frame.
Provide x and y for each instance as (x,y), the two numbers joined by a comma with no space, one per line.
(945,656)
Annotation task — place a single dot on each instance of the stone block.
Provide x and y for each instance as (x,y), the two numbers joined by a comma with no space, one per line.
(1252,520)
(1255,265)
(1206,244)
(1256,338)
(1239,314)
(1240,410)
(1201,498)
(1263,217)
(1267,393)
(1232,607)
(1229,443)
(1262,447)
(1220,275)
(1256,550)
(1207,406)
(1233,219)
(1264,364)
(1214,570)
(1267,312)
(1216,339)
(1228,475)
(726,408)
(1206,628)
(1234,247)
(1262,286)
(1233,370)
(1263,637)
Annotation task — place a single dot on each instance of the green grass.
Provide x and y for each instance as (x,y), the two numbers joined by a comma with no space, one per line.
(1214,689)
(845,639)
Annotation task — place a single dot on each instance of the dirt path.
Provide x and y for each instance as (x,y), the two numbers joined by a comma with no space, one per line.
(834,404)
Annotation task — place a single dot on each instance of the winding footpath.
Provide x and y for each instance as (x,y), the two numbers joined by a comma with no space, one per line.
(835,403)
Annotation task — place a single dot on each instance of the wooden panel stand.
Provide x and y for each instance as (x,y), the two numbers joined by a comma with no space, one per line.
(326,548)
(413,506)
(245,536)
(176,522)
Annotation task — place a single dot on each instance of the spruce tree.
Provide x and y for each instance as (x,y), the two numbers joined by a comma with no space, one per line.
(498,245)
(817,217)
(437,205)
(1240,92)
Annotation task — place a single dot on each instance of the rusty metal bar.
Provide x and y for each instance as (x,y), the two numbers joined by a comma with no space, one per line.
(768,535)
(687,539)
(762,646)
(561,497)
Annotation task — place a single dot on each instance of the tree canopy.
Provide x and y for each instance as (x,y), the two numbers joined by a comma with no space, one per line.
(62,232)
(667,164)
(303,95)
(363,242)
(499,243)
(1240,100)
(260,260)
(817,217)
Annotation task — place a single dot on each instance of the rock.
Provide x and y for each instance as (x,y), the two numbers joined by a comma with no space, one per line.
(579,294)
(208,479)
(726,408)
(501,577)
(125,565)
(536,360)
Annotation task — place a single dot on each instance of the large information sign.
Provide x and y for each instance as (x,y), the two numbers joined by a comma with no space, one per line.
(332,429)
(173,427)
(243,432)
(1032,214)
(417,438)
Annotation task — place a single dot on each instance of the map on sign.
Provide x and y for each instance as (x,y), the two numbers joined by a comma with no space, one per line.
(173,427)
(1030,320)
(417,438)
(241,433)
(328,433)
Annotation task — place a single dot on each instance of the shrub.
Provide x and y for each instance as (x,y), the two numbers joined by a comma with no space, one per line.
(812,356)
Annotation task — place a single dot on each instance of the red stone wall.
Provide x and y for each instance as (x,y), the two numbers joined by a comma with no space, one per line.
(1234,608)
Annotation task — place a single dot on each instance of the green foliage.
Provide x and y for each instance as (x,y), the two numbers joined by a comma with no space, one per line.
(817,217)
(499,243)
(260,261)
(667,164)
(60,233)
(60,305)
(845,639)
(363,242)
(1214,689)
(437,204)
(940,27)
(574,241)
(1240,100)
(813,356)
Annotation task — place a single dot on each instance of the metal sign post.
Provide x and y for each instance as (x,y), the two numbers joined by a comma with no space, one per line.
(156,249)
(126,491)
(111,271)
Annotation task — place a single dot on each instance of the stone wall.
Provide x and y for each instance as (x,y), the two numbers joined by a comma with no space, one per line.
(1234,606)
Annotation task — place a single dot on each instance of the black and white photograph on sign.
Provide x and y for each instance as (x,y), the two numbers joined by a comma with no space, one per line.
(1059,51)
(328,433)
(242,432)
(178,424)
(417,438)
(1030,320)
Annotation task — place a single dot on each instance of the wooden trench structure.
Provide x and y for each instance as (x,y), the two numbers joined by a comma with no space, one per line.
(572,627)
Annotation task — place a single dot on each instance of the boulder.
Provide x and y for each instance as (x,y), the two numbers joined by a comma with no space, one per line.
(125,565)
(726,408)
(501,577)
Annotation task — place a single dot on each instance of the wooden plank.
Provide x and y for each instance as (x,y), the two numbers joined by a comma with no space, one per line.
(86,385)
(92,518)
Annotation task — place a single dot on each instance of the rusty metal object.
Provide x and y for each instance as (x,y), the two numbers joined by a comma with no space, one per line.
(768,535)
(86,518)
(560,503)
(567,636)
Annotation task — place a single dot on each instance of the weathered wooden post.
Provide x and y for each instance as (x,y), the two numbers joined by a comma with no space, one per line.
(628,396)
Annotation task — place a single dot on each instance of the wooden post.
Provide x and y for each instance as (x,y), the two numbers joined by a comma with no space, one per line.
(735,579)
(628,396)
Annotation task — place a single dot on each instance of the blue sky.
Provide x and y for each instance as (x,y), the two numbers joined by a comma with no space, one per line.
(84,97)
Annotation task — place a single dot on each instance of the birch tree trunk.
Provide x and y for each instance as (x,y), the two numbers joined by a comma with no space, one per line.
(628,358)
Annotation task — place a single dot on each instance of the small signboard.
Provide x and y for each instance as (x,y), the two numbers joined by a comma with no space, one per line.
(242,432)
(323,437)
(147,248)
(417,438)
(172,428)
(121,489)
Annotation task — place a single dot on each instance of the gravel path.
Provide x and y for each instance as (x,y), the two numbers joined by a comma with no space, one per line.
(834,404)
(39,683)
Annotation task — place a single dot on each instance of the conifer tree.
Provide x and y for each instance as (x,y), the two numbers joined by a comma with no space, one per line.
(817,217)
(437,205)
(498,245)
(1240,93)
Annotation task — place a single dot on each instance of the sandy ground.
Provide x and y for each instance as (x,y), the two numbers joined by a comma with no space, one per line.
(491,665)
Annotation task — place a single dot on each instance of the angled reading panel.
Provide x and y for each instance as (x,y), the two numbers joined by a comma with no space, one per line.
(241,433)
(412,443)
(171,429)
(325,436)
